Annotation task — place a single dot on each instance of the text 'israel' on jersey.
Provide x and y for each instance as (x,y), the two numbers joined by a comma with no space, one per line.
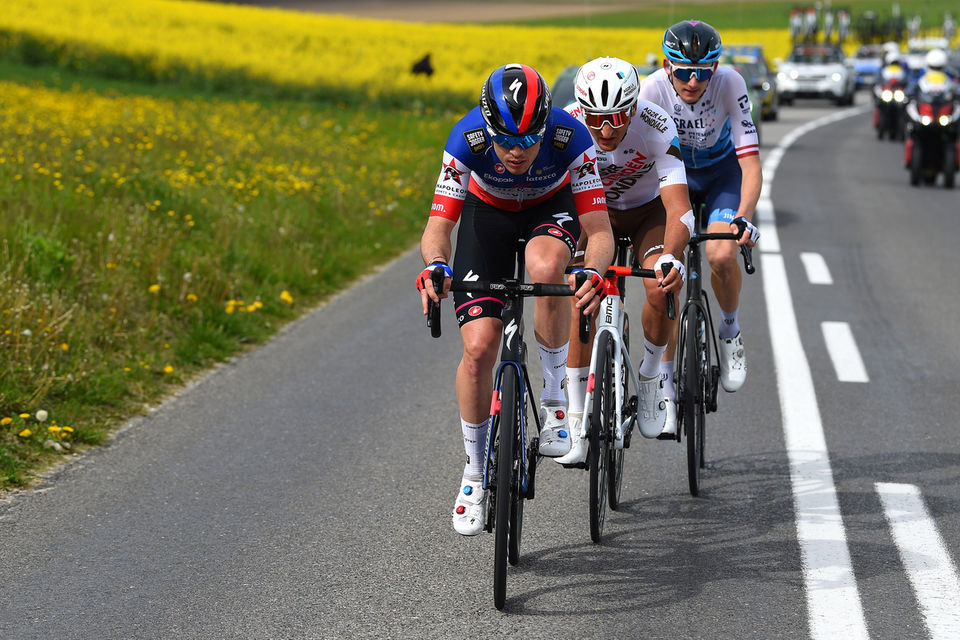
(716,125)
(566,156)
(647,158)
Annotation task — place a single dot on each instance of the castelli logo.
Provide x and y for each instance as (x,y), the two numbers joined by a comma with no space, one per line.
(499,168)
(555,232)
(475,310)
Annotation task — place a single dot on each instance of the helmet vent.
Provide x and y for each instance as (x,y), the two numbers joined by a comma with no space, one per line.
(604,92)
(695,47)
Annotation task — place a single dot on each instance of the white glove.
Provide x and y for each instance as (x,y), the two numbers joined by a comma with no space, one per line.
(751,229)
(668,257)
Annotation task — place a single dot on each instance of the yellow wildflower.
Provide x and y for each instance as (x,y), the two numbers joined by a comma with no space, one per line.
(168,369)
(7,420)
(154,288)
(26,433)
(65,346)
(286,297)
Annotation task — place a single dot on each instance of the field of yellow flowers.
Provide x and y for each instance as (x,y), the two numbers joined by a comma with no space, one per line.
(214,45)
(180,178)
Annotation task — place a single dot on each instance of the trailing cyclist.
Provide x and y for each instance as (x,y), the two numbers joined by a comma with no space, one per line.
(514,168)
(718,139)
(638,154)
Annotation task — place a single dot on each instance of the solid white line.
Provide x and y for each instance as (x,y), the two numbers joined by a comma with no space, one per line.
(929,567)
(833,601)
(843,352)
(816,267)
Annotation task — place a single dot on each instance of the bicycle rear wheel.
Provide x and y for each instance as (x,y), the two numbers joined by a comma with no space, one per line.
(693,398)
(601,434)
(509,394)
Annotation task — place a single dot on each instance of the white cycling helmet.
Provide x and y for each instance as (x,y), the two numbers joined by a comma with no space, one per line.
(936,59)
(607,85)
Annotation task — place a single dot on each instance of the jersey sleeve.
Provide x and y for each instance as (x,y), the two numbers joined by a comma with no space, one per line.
(742,128)
(584,175)
(669,161)
(451,189)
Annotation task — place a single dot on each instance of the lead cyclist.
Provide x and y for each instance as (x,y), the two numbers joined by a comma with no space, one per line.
(718,139)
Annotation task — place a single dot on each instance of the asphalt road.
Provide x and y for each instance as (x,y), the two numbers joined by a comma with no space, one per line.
(304,490)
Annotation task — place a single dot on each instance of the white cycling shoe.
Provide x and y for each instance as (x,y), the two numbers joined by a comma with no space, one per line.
(470,509)
(578,442)
(652,409)
(555,433)
(669,431)
(733,364)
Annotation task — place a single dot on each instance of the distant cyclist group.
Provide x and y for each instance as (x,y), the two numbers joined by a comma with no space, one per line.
(563,184)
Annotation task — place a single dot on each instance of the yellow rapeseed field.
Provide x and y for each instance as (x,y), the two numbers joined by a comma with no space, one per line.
(166,38)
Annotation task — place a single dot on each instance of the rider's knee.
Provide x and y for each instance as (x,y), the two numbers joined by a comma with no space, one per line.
(480,351)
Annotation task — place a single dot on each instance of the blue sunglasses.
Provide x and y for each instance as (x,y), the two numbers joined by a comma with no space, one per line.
(683,74)
(525,142)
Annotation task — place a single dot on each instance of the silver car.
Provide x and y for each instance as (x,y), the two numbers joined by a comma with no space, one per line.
(817,71)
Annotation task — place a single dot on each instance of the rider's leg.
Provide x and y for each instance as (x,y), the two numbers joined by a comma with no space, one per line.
(725,278)
(546,258)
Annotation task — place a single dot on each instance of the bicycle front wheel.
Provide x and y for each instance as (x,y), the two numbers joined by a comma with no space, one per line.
(509,396)
(692,402)
(615,463)
(601,434)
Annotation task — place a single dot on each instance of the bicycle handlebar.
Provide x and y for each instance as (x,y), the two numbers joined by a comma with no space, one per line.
(745,251)
(509,288)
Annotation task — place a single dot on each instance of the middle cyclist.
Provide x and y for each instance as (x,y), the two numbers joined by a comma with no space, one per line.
(721,151)
(638,155)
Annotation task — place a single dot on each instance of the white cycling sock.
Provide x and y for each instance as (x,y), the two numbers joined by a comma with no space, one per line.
(729,326)
(666,376)
(576,388)
(553,361)
(652,354)
(474,441)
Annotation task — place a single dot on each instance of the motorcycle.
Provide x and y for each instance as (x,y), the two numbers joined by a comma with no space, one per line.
(889,101)
(888,116)
(931,146)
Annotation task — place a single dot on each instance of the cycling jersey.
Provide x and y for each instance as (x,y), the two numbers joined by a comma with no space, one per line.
(716,125)
(647,158)
(470,165)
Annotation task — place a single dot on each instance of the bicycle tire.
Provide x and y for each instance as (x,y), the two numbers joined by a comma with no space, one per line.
(693,397)
(517,495)
(615,464)
(601,435)
(504,475)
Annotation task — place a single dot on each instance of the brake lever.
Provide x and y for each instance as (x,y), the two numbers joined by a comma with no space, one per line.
(433,308)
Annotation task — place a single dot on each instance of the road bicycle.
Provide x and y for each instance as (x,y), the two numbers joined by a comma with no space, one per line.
(511,458)
(696,375)
(609,408)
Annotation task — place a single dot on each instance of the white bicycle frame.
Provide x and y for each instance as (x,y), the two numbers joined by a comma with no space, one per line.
(611,320)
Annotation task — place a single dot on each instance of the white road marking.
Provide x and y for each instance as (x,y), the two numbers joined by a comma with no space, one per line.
(929,566)
(833,600)
(843,352)
(817,270)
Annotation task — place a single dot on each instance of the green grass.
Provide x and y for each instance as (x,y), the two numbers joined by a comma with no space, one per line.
(149,231)
(740,15)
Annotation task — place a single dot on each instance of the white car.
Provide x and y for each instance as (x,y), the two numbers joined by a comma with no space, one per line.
(817,71)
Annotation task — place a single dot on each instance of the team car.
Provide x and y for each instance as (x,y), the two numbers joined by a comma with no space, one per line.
(753,66)
(867,62)
(817,71)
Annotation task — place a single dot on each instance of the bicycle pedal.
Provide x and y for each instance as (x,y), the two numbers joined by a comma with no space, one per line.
(574,465)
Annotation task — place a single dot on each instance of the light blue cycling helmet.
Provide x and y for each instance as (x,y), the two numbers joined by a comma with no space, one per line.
(692,42)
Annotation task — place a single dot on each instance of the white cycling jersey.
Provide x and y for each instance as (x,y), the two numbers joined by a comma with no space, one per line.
(646,159)
(714,126)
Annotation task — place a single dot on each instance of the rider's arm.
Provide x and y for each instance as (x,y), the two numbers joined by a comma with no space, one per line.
(435,247)
(746,143)
(597,255)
